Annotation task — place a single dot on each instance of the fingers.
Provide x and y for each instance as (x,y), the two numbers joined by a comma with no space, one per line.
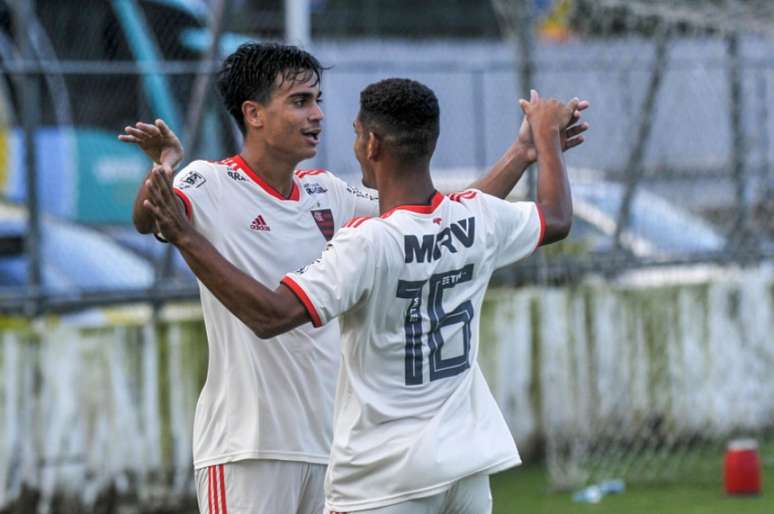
(573,105)
(162,127)
(128,139)
(534,96)
(139,134)
(573,142)
(575,130)
(524,105)
(152,208)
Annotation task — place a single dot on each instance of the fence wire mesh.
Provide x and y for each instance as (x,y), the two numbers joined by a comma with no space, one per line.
(644,345)
(653,369)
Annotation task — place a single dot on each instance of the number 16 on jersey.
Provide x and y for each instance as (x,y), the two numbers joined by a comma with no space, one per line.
(438,366)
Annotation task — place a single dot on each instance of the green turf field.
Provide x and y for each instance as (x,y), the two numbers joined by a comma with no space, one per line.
(525,491)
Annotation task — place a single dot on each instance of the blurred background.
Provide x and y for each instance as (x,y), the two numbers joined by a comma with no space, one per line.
(635,350)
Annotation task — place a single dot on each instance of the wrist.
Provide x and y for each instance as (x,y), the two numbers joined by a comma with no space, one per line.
(518,156)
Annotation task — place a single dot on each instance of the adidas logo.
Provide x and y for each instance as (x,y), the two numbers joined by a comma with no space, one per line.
(259,224)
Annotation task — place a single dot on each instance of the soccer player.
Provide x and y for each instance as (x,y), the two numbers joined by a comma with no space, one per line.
(416,429)
(263,423)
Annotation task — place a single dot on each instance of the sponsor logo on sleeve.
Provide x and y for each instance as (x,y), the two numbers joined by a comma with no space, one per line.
(191,179)
(235,175)
(359,193)
(315,189)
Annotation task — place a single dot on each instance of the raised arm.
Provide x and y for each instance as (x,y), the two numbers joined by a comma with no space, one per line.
(163,147)
(266,312)
(546,118)
(508,170)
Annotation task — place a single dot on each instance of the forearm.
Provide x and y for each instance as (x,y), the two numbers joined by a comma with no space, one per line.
(142,218)
(505,173)
(266,312)
(553,186)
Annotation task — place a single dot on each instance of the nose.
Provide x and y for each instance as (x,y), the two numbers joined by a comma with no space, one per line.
(317,113)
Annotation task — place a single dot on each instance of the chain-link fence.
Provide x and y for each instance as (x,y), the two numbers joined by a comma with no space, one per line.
(678,168)
(613,346)
(654,368)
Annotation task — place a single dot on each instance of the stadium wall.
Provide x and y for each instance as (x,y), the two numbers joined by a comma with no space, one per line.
(98,406)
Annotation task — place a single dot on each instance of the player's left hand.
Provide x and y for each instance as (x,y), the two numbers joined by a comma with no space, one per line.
(165,207)
(571,135)
(157,140)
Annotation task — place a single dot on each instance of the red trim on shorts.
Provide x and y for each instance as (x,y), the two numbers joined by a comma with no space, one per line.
(301,295)
(186,202)
(211,489)
(435,201)
(223,488)
(240,164)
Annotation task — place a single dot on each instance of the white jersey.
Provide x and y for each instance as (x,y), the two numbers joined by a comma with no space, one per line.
(265,399)
(413,411)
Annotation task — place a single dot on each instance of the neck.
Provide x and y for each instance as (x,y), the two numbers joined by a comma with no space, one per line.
(411,185)
(276,171)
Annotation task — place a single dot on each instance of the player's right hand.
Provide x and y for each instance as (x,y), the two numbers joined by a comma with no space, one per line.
(157,140)
(163,204)
(547,113)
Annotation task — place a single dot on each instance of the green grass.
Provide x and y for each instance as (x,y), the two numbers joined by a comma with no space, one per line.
(524,490)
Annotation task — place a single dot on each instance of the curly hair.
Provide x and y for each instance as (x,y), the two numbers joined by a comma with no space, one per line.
(250,73)
(405,113)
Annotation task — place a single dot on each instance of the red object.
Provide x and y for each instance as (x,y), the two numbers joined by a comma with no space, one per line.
(742,467)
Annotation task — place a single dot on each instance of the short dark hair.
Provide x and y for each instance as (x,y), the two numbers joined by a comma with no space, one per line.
(405,113)
(250,73)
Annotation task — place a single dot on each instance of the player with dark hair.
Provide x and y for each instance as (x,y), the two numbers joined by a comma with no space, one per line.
(416,429)
(263,424)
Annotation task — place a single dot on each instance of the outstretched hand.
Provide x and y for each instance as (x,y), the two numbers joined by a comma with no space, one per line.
(157,140)
(571,134)
(165,207)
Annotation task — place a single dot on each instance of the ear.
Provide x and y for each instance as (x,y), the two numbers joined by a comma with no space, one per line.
(253,114)
(374,146)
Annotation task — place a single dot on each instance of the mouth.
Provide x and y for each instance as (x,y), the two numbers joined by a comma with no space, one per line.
(312,135)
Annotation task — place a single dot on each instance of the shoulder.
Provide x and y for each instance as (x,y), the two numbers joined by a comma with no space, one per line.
(196,174)
(356,222)
(317,172)
(464,196)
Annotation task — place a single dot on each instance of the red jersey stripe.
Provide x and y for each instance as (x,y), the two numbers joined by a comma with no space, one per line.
(304,298)
(304,173)
(542,225)
(354,222)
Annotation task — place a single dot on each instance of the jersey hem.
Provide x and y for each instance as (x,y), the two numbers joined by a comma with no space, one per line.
(262,455)
(304,298)
(186,203)
(420,493)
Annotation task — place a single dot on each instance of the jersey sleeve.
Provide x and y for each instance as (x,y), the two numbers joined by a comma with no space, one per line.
(198,187)
(339,279)
(518,228)
(355,201)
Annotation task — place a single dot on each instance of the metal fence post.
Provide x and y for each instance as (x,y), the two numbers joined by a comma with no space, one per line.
(30,114)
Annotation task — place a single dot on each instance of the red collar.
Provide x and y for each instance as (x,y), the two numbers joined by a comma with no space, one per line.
(244,168)
(435,201)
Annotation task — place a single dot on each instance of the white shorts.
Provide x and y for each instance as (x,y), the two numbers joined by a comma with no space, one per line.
(261,487)
(471,495)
